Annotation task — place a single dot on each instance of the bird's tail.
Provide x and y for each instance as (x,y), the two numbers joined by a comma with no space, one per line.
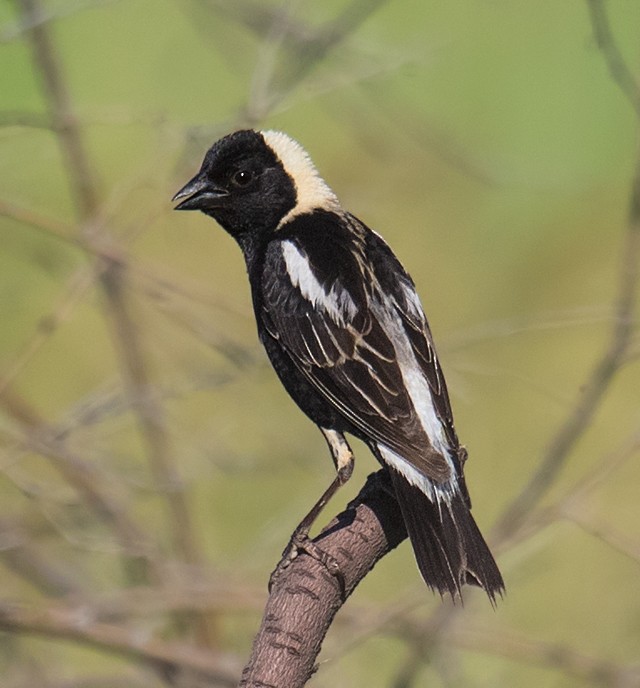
(447,543)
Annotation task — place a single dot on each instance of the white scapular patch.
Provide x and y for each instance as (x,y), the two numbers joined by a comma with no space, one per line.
(337,302)
(312,191)
(436,492)
(420,394)
(413,301)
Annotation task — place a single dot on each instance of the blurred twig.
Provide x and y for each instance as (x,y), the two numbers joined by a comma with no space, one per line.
(84,188)
(58,622)
(79,170)
(21,554)
(572,662)
(84,477)
(43,679)
(614,538)
(15,30)
(618,68)
(150,280)
(149,412)
(270,84)
(187,591)
(52,226)
(290,48)
(599,380)
(576,496)
(430,642)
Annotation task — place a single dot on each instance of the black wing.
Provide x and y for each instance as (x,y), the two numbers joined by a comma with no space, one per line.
(395,280)
(331,289)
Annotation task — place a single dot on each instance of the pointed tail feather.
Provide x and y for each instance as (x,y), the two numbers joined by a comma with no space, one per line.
(448,546)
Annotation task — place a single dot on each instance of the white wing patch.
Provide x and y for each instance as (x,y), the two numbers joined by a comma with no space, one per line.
(413,301)
(436,492)
(420,394)
(337,302)
(311,190)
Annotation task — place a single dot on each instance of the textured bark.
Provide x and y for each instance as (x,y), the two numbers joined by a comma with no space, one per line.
(306,596)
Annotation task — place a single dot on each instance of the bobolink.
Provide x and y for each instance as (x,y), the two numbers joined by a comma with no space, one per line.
(345,331)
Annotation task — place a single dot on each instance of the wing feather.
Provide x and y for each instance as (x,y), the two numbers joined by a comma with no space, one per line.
(332,325)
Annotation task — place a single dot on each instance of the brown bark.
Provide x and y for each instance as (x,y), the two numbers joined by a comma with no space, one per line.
(305,596)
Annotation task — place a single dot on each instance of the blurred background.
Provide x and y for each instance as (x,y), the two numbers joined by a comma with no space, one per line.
(151,466)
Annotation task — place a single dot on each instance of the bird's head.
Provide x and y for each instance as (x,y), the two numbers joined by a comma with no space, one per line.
(254,182)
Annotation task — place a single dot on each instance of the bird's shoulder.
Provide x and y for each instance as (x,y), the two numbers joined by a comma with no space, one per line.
(340,253)
(321,247)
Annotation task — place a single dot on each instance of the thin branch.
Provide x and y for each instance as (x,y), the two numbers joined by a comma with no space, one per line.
(62,116)
(23,556)
(78,285)
(191,590)
(614,357)
(302,56)
(83,477)
(150,279)
(84,187)
(612,537)
(59,623)
(43,679)
(150,415)
(607,466)
(14,30)
(618,68)
(578,493)
(52,226)
(428,638)
(564,658)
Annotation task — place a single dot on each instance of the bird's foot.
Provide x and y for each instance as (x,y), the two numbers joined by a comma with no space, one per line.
(301,543)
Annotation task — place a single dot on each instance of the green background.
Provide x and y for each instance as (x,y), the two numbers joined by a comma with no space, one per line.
(489,144)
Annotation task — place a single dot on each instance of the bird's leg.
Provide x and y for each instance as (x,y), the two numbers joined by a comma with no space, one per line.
(300,541)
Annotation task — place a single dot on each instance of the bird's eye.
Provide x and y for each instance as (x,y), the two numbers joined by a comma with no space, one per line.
(242,178)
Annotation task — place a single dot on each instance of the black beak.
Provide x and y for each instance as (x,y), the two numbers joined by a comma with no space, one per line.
(199,194)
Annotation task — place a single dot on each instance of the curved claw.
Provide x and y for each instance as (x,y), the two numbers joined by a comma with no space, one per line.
(301,542)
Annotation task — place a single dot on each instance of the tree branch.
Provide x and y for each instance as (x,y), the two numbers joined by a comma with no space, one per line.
(618,68)
(306,597)
(58,622)
(112,279)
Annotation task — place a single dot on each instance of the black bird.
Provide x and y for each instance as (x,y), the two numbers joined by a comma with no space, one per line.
(345,331)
